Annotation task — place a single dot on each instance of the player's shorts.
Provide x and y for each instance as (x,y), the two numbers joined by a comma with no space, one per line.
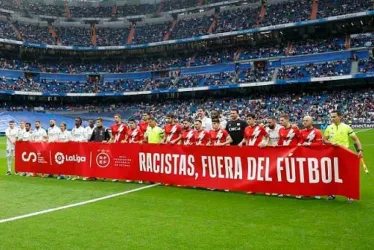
(10,153)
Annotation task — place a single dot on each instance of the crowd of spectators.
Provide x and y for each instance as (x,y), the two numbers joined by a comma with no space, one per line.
(242,74)
(112,37)
(227,20)
(362,40)
(237,19)
(314,46)
(287,12)
(356,105)
(366,65)
(328,8)
(151,33)
(195,26)
(326,69)
(74,36)
(6,31)
(38,34)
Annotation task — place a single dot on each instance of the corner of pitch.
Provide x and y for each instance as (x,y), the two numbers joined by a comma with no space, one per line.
(310,170)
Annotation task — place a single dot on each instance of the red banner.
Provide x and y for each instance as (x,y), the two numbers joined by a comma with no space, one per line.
(308,171)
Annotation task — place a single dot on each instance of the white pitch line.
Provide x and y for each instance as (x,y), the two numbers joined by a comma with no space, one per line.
(363,130)
(75,204)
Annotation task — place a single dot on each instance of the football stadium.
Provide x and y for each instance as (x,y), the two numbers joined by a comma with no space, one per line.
(186,124)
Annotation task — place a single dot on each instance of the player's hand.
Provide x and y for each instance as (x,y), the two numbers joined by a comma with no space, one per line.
(140,142)
(262,145)
(240,145)
(104,141)
(360,154)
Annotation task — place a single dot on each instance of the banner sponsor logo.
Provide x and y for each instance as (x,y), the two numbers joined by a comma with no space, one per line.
(60,158)
(29,157)
(103,160)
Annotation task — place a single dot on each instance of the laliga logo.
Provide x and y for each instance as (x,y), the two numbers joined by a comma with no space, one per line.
(102,160)
(60,158)
(30,157)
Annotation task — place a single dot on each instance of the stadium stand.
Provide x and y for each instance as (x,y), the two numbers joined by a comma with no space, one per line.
(356,105)
(188,25)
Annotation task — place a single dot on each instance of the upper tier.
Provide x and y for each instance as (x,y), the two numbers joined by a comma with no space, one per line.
(131,32)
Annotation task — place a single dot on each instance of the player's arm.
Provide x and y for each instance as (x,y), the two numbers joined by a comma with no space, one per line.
(318,140)
(229,140)
(265,139)
(45,136)
(107,135)
(7,134)
(357,142)
(243,142)
(92,137)
(326,137)
(126,134)
(178,140)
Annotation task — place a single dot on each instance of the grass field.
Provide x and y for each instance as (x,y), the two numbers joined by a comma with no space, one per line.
(175,218)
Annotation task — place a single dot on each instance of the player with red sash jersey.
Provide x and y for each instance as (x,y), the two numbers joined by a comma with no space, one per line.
(173,131)
(119,130)
(143,125)
(134,133)
(289,135)
(218,136)
(310,136)
(254,134)
(188,134)
(201,135)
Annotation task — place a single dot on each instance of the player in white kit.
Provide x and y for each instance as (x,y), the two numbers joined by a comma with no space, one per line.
(272,129)
(78,134)
(63,136)
(24,135)
(38,135)
(89,129)
(11,134)
(53,131)
(21,129)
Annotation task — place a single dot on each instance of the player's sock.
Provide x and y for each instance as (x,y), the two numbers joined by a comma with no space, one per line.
(9,161)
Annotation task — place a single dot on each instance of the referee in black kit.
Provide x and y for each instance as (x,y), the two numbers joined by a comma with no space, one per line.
(236,127)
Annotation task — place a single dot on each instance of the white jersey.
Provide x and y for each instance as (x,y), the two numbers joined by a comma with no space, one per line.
(11,135)
(53,133)
(89,132)
(206,123)
(21,131)
(78,134)
(273,134)
(25,136)
(223,123)
(64,136)
(39,135)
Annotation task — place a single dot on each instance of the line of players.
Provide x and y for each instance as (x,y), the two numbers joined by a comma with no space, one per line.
(239,133)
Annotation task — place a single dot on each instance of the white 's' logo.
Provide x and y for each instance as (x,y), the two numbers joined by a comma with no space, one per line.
(30,157)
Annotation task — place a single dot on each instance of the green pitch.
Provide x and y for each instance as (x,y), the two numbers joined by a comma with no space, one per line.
(176,218)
